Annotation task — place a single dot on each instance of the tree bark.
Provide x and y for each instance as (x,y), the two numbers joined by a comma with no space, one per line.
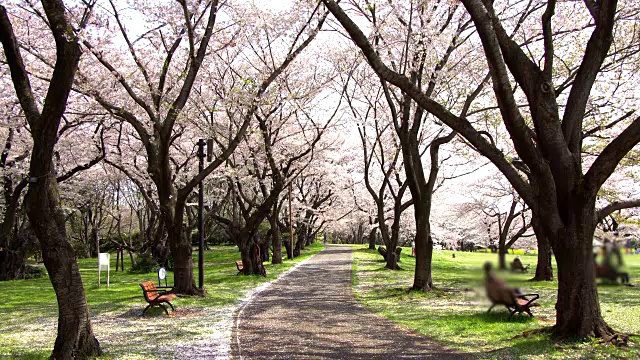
(372,239)
(422,280)
(181,250)
(12,251)
(502,251)
(578,306)
(544,270)
(393,257)
(75,336)
(251,258)
(276,242)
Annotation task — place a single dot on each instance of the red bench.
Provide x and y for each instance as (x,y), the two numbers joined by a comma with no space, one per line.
(155,297)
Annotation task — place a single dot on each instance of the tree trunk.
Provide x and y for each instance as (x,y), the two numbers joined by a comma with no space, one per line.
(183,278)
(502,252)
(577,309)
(95,239)
(544,270)
(12,251)
(288,248)
(251,258)
(133,259)
(12,261)
(372,239)
(424,252)
(264,250)
(75,336)
(302,232)
(392,257)
(276,242)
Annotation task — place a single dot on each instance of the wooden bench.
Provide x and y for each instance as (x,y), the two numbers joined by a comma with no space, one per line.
(239,266)
(155,297)
(609,273)
(499,293)
(518,303)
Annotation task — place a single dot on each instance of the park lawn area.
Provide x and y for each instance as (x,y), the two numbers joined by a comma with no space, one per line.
(28,310)
(455,313)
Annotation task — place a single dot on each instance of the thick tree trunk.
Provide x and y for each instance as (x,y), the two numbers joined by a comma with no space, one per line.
(578,309)
(75,336)
(287,245)
(311,237)
(392,257)
(251,258)
(183,277)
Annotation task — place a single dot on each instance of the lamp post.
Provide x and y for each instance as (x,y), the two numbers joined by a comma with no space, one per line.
(290,226)
(201,155)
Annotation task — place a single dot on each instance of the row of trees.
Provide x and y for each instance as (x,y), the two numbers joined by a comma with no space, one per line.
(544,105)
(193,70)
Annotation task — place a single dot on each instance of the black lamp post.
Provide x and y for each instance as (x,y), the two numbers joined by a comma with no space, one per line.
(201,155)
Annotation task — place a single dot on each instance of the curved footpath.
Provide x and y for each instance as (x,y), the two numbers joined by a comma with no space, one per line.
(311,313)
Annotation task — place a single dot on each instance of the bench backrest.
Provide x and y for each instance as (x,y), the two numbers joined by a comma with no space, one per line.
(149,289)
(499,292)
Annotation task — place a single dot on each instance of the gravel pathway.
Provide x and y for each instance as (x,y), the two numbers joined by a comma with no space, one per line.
(311,313)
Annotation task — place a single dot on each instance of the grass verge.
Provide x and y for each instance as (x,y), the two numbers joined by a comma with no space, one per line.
(200,326)
(455,313)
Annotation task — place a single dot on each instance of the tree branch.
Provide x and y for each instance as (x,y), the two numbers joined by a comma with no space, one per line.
(615,206)
(608,160)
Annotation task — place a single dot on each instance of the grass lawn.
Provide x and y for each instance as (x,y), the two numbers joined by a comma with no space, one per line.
(455,313)
(200,326)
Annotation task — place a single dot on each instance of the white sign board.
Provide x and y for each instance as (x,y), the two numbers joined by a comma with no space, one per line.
(104,264)
(162,275)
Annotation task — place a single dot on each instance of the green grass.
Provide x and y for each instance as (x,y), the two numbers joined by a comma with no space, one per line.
(455,312)
(28,308)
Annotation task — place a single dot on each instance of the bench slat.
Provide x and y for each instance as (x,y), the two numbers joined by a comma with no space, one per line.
(153,297)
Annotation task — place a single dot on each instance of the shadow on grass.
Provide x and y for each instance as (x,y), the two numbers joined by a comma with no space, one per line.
(468,330)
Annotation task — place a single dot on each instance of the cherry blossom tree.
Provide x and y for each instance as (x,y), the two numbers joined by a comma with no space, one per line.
(157,92)
(549,143)
(446,28)
(75,335)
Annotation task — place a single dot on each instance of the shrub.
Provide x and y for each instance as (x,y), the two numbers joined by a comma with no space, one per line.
(145,263)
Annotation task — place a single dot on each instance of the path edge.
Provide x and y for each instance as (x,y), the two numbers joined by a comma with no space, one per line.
(235,340)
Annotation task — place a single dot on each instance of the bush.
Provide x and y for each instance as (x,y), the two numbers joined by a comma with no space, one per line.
(33,271)
(145,263)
